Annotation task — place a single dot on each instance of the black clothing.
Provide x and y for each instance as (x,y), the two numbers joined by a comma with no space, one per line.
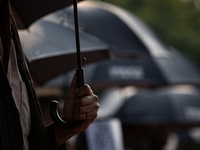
(41,137)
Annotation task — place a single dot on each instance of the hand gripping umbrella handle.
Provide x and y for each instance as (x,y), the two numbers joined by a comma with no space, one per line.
(80,80)
(53,107)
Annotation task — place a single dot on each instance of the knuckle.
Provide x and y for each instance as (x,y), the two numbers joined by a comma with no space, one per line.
(96,98)
(97,105)
(86,87)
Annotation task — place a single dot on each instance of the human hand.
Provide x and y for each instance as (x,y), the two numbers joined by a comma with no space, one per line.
(81,104)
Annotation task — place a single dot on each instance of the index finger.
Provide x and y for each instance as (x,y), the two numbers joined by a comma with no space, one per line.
(85,90)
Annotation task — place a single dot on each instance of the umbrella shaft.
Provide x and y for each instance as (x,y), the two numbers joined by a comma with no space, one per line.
(80,77)
(77,34)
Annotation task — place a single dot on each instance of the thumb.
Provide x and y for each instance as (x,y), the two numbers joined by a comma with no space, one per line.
(73,86)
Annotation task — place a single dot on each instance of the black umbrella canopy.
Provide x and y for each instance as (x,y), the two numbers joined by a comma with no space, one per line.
(118,27)
(118,72)
(174,105)
(143,72)
(26,12)
(141,58)
(50,49)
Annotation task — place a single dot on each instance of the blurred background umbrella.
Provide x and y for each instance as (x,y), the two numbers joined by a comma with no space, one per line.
(118,27)
(26,12)
(50,49)
(178,105)
(143,72)
(148,116)
(140,56)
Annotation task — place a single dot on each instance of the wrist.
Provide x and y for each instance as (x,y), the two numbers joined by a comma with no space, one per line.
(62,135)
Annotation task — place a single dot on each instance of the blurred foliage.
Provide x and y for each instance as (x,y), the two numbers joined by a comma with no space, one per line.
(176,22)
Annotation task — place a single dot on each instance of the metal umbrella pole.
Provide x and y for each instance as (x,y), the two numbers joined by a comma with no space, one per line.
(80,79)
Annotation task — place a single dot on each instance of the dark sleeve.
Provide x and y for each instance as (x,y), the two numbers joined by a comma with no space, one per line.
(51,133)
(81,143)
